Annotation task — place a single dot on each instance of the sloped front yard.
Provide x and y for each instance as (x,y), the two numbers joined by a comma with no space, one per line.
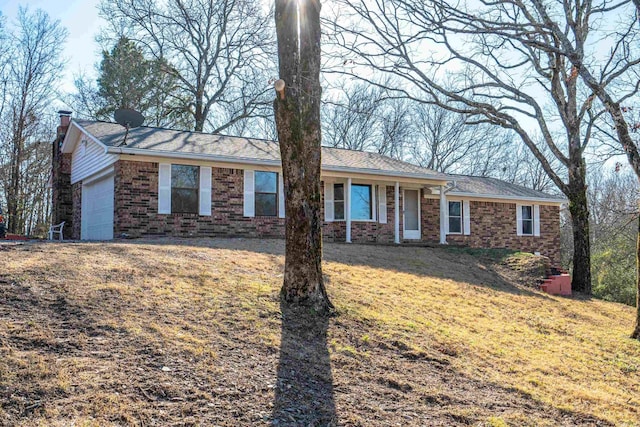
(191,332)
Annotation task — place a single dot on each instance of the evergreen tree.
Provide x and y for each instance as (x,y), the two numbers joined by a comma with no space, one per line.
(128,80)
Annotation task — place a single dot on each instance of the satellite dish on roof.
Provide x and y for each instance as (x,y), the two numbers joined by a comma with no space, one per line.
(128,118)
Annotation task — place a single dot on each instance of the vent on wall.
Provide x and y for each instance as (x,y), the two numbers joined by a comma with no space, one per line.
(83,147)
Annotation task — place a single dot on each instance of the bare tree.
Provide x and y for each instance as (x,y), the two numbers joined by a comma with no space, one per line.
(297,113)
(4,64)
(363,116)
(396,133)
(351,117)
(217,50)
(614,197)
(33,72)
(466,59)
(84,101)
(445,142)
(617,78)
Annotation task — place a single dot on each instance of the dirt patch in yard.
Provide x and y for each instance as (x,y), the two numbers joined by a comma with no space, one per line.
(191,332)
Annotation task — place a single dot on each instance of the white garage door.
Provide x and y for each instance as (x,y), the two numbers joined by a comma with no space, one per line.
(97,210)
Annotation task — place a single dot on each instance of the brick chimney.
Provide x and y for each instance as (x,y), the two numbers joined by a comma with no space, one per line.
(62,195)
(65,119)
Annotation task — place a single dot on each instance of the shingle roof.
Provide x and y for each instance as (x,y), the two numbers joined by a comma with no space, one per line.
(482,186)
(239,148)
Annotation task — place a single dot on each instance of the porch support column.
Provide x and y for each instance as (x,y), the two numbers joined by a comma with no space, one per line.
(396,211)
(443,219)
(347,208)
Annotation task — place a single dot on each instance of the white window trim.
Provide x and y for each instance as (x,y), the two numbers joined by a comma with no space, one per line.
(382,203)
(249,200)
(374,212)
(466,217)
(204,191)
(535,220)
(449,232)
(344,201)
(330,203)
(281,207)
(165,188)
(279,189)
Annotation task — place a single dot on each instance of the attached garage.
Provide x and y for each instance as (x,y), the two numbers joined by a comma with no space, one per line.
(97,209)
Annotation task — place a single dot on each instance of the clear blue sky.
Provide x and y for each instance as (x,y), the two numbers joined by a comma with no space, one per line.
(80,18)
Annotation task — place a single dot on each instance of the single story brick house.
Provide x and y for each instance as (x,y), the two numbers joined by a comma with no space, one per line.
(168,182)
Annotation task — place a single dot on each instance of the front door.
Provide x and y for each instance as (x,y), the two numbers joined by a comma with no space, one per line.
(411,208)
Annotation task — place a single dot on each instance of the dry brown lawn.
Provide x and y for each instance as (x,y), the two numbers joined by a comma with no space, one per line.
(191,332)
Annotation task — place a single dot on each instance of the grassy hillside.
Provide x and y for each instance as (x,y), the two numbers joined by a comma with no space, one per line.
(190,332)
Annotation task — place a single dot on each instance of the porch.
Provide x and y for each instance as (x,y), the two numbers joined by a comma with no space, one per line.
(362,209)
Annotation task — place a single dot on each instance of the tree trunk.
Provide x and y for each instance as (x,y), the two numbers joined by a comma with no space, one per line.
(636,330)
(628,145)
(297,114)
(13,213)
(198,114)
(581,280)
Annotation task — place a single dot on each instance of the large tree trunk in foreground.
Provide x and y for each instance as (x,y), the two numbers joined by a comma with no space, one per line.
(297,114)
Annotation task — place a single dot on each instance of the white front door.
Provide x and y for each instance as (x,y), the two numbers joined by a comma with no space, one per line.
(97,210)
(411,219)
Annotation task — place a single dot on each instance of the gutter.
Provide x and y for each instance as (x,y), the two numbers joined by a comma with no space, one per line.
(252,161)
(497,196)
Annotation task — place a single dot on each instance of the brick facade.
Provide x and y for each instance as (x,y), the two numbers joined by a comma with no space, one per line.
(61,192)
(76,221)
(362,231)
(493,224)
(136,207)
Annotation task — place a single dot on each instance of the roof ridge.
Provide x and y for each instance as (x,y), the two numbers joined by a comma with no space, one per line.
(180,130)
(270,141)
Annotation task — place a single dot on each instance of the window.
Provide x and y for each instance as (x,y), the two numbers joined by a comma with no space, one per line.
(455,217)
(266,193)
(184,188)
(527,220)
(361,202)
(338,201)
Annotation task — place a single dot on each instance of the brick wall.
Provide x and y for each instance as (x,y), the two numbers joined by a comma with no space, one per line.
(362,231)
(74,229)
(493,225)
(61,191)
(430,219)
(136,207)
